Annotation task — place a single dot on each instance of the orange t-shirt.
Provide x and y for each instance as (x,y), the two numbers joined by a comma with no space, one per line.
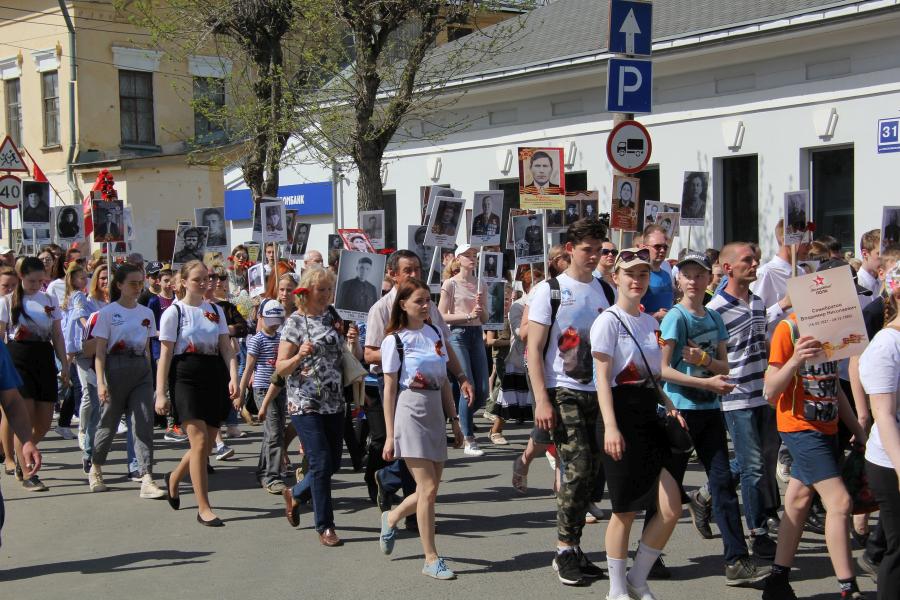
(812,383)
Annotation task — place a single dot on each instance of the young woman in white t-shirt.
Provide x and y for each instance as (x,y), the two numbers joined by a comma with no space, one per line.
(879,370)
(124,376)
(634,443)
(197,365)
(30,321)
(417,396)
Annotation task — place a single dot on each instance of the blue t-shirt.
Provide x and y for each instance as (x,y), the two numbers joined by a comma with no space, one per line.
(660,294)
(9,377)
(265,349)
(706,332)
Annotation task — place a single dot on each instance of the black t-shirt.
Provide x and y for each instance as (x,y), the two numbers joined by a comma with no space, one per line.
(145,296)
(873,315)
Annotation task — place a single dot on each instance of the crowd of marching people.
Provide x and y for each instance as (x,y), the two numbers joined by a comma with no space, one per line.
(628,362)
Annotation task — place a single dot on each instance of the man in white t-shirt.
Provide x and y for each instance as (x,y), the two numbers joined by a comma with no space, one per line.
(870,251)
(771,281)
(561,312)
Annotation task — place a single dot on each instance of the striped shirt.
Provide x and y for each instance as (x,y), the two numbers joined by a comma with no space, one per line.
(265,349)
(747,359)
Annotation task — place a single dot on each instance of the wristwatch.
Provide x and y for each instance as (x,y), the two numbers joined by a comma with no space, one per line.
(454,418)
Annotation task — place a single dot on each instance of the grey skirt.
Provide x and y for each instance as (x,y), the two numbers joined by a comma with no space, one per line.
(420,429)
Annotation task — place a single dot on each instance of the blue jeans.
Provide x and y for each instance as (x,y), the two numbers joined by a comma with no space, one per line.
(755,438)
(89,411)
(468,345)
(323,439)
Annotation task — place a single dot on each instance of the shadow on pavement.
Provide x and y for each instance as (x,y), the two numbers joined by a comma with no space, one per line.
(108,564)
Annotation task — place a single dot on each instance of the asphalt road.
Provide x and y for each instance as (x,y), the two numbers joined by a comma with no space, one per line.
(115,545)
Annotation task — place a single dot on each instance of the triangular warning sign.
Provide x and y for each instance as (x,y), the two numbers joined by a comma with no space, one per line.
(10,158)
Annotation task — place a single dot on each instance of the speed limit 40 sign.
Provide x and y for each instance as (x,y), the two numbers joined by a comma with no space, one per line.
(10,191)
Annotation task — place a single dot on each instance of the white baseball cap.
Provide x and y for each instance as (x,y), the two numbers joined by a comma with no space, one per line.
(271,309)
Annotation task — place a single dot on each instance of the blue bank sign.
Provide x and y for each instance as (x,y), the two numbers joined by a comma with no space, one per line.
(305,198)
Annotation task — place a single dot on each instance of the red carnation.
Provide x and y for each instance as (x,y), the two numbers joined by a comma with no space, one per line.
(300,291)
(810,226)
(569,339)
(146,322)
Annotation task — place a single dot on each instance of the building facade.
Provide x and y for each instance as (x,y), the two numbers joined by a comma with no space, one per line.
(766,97)
(104,98)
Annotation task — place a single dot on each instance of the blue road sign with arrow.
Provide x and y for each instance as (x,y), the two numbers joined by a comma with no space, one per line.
(630,27)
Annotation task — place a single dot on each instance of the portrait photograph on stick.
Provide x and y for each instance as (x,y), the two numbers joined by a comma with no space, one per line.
(35,204)
(796,216)
(890,226)
(256,280)
(670,222)
(372,222)
(108,217)
(495,311)
(443,223)
(626,191)
(542,183)
(69,223)
(299,239)
(274,229)
(415,241)
(590,204)
(693,198)
(430,193)
(335,242)
(358,283)
(510,235)
(486,220)
(528,235)
(190,244)
(356,240)
(213,218)
(491,266)
(258,218)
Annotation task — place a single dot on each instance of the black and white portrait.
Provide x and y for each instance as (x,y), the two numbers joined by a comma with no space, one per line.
(796,216)
(69,224)
(495,311)
(299,239)
(416,243)
(491,264)
(372,222)
(128,220)
(443,224)
(335,242)
(108,220)
(589,209)
(572,212)
(274,219)
(359,283)
(256,235)
(693,198)
(256,280)
(555,219)
(431,194)
(213,218)
(528,232)
(486,218)
(42,234)
(190,244)
(35,204)
(890,226)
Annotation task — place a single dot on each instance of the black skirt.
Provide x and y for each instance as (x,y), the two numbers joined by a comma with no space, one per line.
(198,384)
(36,364)
(633,481)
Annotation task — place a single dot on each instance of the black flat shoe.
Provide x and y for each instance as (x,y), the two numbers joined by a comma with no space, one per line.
(214,522)
(174,501)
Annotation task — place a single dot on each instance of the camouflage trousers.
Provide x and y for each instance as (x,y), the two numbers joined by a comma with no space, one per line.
(578,448)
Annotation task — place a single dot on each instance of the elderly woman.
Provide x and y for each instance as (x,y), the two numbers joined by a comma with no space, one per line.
(309,357)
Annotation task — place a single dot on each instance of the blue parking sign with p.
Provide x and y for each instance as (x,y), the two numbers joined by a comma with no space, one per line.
(629,85)
(889,135)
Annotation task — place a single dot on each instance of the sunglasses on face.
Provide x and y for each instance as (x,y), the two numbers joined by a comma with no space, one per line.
(219,277)
(628,255)
(608,251)
(660,247)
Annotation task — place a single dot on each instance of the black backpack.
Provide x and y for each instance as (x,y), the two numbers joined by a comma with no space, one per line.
(555,301)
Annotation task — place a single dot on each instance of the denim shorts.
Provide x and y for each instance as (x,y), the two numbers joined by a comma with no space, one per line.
(815,455)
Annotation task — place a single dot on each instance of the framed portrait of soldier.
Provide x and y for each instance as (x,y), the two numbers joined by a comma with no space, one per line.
(590,204)
(69,223)
(669,221)
(372,222)
(510,234)
(416,243)
(796,216)
(190,244)
(653,209)
(256,280)
(108,217)
(890,226)
(542,183)
(213,218)
(495,311)
(356,240)
(624,203)
(572,212)
(35,205)
(528,235)
(431,193)
(693,198)
(274,222)
(358,283)
(444,221)
(490,265)
(335,242)
(555,219)
(299,239)
(486,220)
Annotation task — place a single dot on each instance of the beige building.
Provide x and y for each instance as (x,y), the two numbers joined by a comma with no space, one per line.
(101,98)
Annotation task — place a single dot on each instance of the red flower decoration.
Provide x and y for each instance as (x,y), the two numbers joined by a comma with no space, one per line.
(212,316)
(810,226)
(48,310)
(119,346)
(300,291)
(146,322)
(191,349)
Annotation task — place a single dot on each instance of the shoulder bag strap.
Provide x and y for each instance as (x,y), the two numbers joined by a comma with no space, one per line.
(555,301)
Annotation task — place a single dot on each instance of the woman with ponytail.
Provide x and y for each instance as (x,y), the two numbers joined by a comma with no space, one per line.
(30,321)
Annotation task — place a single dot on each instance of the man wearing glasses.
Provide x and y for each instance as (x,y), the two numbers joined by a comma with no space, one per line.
(660,295)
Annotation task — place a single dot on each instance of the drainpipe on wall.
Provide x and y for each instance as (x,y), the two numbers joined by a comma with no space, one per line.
(73,76)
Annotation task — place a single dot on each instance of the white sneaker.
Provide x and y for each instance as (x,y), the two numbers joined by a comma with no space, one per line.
(149,489)
(619,597)
(65,433)
(81,437)
(643,593)
(472,449)
(95,479)
(122,429)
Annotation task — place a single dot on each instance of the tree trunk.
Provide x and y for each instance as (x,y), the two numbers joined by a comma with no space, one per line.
(368,187)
